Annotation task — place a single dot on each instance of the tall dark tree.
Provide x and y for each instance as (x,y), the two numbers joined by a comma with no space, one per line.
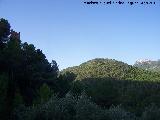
(26,67)
(12,57)
(4,32)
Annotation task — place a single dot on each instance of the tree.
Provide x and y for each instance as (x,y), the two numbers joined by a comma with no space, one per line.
(12,59)
(4,32)
(3,92)
(26,67)
(44,93)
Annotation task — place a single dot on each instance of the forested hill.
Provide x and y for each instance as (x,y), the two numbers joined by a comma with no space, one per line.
(148,65)
(110,68)
(31,88)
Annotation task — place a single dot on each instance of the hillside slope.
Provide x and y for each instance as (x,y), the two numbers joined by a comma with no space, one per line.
(110,68)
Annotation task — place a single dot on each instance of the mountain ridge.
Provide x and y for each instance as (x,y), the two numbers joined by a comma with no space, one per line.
(111,68)
(151,65)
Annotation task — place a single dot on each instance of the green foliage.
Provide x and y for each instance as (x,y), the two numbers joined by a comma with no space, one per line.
(109,68)
(71,108)
(118,113)
(151,112)
(3,93)
(77,88)
(132,95)
(54,109)
(110,82)
(64,83)
(44,93)
(26,68)
(18,99)
(100,89)
(4,31)
(86,110)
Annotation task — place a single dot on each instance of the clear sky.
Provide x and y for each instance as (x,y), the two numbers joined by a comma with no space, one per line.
(71,32)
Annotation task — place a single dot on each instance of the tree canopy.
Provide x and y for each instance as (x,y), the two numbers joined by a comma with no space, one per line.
(110,68)
(32,88)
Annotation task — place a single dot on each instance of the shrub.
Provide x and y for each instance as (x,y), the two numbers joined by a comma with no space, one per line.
(151,112)
(118,113)
(86,110)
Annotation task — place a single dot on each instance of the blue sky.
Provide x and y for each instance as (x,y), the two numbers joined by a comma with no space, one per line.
(71,32)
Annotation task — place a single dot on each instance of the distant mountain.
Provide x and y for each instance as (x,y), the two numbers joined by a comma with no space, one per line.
(110,68)
(148,65)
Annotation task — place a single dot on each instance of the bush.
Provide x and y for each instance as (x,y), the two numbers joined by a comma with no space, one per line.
(151,112)
(23,113)
(118,113)
(86,110)
(3,93)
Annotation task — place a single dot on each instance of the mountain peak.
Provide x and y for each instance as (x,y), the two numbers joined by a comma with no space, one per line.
(141,61)
(148,64)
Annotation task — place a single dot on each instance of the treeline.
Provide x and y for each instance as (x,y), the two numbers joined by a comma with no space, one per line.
(134,96)
(81,108)
(110,68)
(31,88)
(25,73)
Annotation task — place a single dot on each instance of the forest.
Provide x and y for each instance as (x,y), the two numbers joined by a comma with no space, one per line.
(32,88)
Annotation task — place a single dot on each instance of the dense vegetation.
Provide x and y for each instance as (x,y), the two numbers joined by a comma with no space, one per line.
(26,76)
(31,88)
(108,68)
